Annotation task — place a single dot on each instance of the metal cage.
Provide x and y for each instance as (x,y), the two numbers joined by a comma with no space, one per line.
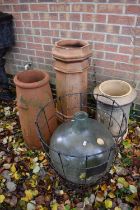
(63,112)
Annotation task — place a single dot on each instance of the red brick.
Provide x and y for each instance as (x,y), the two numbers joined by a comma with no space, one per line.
(40,24)
(19,24)
(15,50)
(136,31)
(48,16)
(60,25)
(70,34)
(2,7)
(34,46)
(64,16)
(18,30)
(109,8)
(105,63)
(29,38)
(119,39)
(27,1)
(87,17)
(50,62)
(107,28)
(135,60)
(24,38)
(122,20)
(116,74)
(98,54)
(59,7)
(123,1)
(20,44)
(82,8)
(120,75)
(34,16)
(54,39)
(106,47)
(37,31)
(137,41)
(46,40)
(6,8)
(98,37)
(37,59)
(27,51)
(27,24)
(49,32)
(28,31)
(40,53)
(94,18)
(21,37)
(48,48)
(17,16)
(133,31)
(21,8)
(136,50)
(17,62)
(117,57)
(134,76)
(69,17)
(26,16)
(39,7)
(10,1)
(126,67)
(21,57)
(48,54)
(131,9)
(72,0)
(38,39)
(126,50)
(138,21)
(127,30)
(87,36)
(82,26)
(100,18)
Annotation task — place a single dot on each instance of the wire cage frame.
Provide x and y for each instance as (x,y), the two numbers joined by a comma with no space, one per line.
(63,113)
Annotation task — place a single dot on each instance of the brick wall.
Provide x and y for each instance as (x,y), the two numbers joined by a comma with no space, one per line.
(111,26)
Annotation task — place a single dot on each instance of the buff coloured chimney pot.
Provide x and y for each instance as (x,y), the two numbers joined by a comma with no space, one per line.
(123,94)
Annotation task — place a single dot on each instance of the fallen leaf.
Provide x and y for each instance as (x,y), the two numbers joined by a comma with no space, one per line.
(92,198)
(2,198)
(130,198)
(36,169)
(111,195)
(122,181)
(11,186)
(6,165)
(29,194)
(13,168)
(100,197)
(104,187)
(40,200)
(54,206)
(132,188)
(108,203)
(13,201)
(121,171)
(31,205)
(67,207)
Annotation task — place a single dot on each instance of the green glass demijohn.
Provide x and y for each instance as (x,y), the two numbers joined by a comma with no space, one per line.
(82,149)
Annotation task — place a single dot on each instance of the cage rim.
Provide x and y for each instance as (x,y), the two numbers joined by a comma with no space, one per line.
(43,142)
